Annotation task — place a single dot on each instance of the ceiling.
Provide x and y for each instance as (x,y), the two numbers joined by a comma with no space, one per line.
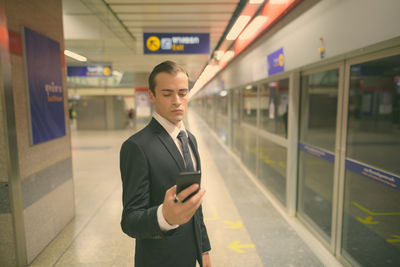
(111,31)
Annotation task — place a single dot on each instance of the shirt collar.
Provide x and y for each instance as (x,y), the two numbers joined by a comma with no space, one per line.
(171,128)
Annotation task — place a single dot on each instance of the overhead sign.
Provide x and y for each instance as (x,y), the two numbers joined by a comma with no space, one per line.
(90,71)
(46,92)
(276,62)
(176,43)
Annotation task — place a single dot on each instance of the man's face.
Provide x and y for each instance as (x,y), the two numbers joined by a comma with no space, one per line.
(171,96)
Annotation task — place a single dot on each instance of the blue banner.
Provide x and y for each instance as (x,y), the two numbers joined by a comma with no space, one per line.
(317,152)
(379,176)
(374,174)
(90,71)
(276,62)
(46,93)
(176,43)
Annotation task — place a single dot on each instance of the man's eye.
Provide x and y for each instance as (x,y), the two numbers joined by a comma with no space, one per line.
(166,94)
(182,93)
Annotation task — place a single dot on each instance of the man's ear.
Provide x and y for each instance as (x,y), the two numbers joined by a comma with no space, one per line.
(152,96)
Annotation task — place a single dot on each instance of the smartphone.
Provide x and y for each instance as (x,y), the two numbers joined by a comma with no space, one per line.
(186,179)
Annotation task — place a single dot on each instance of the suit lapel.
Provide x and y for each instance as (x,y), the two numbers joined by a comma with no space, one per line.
(169,144)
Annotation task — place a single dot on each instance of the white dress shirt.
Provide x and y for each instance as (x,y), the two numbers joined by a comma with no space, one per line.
(173,131)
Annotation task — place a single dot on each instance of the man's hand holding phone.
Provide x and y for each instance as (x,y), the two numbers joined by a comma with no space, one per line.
(181,212)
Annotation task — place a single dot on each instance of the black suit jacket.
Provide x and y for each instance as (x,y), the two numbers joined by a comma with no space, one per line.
(149,163)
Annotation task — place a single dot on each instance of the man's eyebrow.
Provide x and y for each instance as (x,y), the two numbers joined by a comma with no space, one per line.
(171,90)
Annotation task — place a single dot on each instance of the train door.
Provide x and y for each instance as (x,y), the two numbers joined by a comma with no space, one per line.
(369,222)
(320,110)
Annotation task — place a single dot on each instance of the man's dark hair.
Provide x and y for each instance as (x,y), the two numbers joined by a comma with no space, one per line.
(169,67)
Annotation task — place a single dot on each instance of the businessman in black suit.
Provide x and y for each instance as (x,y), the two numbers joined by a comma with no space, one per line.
(168,232)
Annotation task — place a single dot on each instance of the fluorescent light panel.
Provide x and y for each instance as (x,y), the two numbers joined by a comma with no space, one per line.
(227,56)
(218,54)
(253,27)
(117,73)
(277,2)
(75,56)
(256,1)
(240,23)
(223,93)
(205,76)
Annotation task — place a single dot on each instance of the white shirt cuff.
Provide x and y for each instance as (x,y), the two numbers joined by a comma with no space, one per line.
(164,225)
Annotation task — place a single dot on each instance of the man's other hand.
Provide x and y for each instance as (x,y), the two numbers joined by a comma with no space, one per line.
(181,212)
(206,260)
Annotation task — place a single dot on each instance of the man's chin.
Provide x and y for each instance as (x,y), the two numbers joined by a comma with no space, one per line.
(176,120)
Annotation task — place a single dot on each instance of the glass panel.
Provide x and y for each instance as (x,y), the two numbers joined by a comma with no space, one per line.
(222,127)
(221,123)
(272,168)
(371,219)
(249,105)
(316,149)
(274,97)
(210,111)
(236,122)
(249,149)
(222,104)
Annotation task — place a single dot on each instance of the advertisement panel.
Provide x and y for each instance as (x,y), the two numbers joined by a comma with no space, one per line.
(46,93)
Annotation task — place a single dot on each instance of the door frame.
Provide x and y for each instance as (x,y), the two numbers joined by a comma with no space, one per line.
(330,243)
(342,147)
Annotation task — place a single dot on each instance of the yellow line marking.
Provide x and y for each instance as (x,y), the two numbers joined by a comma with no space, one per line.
(268,161)
(234,225)
(373,213)
(215,216)
(396,240)
(235,246)
(367,220)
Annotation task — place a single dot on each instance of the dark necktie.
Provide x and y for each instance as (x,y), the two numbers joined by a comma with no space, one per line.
(186,153)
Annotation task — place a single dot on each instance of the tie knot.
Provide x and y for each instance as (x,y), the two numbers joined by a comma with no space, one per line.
(182,134)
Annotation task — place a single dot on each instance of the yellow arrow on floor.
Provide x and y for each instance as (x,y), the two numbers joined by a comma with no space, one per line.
(238,247)
(373,213)
(234,225)
(367,220)
(395,240)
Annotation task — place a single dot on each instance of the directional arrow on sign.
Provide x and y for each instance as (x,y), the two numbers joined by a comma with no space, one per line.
(367,220)
(236,246)
(234,225)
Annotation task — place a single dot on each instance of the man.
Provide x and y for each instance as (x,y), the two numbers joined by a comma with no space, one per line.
(168,232)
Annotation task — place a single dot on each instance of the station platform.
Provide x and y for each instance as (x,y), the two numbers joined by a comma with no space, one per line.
(245,226)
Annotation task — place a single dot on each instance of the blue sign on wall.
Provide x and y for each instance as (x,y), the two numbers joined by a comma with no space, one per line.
(176,43)
(46,93)
(276,62)
(317,152)
(90,71)
(379,176)
(372,173)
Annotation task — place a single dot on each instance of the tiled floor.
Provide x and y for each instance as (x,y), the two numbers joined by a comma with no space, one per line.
(244,227)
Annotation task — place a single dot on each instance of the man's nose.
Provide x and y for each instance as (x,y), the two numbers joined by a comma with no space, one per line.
(176,99)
